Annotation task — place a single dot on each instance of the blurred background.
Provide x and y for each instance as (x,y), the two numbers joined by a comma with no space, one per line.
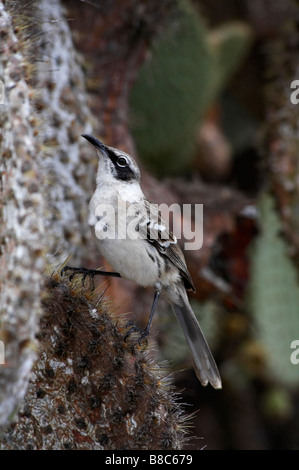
(200,93)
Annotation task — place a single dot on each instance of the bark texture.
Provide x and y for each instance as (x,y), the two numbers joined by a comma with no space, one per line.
(47,181)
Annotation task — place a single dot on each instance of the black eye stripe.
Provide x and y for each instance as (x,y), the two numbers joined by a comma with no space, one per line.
(124,173)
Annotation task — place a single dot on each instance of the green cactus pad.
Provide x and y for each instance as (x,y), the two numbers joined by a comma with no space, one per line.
(273,295)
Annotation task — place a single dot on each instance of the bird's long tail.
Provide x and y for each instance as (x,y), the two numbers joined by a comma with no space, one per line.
(204,363)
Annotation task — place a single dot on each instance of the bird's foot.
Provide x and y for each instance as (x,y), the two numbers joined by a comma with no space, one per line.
(80,271)
(143,333)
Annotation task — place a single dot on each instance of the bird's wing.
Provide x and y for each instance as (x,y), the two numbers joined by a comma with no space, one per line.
(153,228)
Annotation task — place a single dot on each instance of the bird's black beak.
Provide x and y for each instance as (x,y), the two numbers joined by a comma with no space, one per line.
(95,142)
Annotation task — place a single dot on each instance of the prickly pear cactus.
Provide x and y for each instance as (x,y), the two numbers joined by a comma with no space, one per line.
(170,91)
(90,389)
(228,44)
(273,295)
(188,68)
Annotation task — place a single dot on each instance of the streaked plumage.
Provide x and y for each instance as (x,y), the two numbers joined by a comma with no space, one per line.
(154,258)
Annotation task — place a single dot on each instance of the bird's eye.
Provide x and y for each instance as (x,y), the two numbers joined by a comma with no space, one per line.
(122,162)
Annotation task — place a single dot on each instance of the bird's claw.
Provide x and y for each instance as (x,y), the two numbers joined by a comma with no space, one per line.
(75,271)
(134,329)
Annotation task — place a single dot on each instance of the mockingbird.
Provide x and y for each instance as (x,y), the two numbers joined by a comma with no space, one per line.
(151,256)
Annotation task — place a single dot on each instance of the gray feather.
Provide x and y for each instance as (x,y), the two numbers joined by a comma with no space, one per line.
(163,239)
(204,364)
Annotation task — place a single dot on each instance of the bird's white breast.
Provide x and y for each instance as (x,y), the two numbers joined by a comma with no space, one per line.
(130,259)
(126,256)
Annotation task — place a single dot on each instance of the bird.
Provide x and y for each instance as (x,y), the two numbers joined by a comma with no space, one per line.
(151,256)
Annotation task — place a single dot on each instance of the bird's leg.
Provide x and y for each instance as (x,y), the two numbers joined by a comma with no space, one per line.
(144,333)
(87,272)
(151,316)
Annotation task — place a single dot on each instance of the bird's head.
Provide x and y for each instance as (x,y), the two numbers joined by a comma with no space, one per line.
(114,164)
